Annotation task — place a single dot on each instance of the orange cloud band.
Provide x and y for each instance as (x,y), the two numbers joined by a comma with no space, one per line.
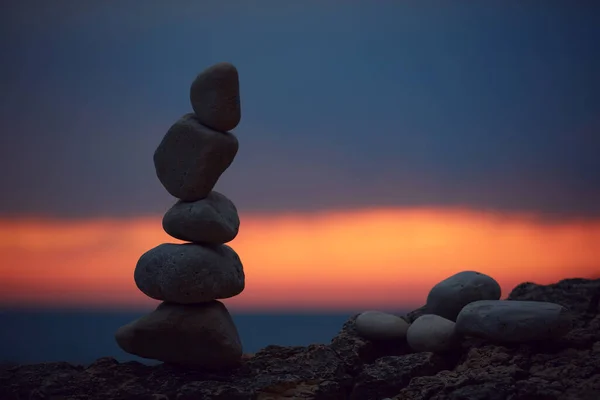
(350,260)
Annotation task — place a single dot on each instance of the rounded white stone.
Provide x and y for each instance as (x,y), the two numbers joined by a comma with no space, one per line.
(513,321)
(448,297)
(431,333)
(377,325)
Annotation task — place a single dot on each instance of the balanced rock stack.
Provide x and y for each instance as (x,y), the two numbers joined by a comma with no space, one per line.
(467,304)
(190,327)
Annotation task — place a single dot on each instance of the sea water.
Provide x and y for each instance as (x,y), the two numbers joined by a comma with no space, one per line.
(80,337)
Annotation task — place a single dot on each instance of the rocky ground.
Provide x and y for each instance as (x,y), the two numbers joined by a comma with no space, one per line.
(352,368)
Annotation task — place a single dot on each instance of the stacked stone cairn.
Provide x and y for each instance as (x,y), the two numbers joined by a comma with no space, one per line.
(467,304)
(191,327)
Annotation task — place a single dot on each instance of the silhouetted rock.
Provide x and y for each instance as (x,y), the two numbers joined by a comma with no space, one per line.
(432,333)
(377,325)
(215,97)
(211,220)
(190,273)
(513,321)
(566,368)
(354,368)
(191,158)
(201,335)
(354,351)
(189,161)
(449,296)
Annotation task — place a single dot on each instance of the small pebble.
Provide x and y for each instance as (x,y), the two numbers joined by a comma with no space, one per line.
(431,333)
(377,325)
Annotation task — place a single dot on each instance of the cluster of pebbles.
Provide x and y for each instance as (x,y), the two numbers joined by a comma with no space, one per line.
(468,304)
(191,327)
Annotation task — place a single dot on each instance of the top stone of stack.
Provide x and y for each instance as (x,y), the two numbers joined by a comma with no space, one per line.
(215,97)
(198,148)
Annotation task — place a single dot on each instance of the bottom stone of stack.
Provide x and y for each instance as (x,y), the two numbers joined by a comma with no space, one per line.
(200,335)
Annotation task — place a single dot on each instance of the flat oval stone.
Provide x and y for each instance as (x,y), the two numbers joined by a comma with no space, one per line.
(215,97)
(211,220)
(448,297)
(191,158)
(190,273)
(431,333)
(201,335)
(377,325)
(513,321)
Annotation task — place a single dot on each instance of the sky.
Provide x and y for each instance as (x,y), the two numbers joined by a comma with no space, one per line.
(383,145)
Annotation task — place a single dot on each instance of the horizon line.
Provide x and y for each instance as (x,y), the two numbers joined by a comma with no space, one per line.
(539,216)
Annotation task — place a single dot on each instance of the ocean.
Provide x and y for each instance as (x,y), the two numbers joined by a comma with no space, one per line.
(83,336)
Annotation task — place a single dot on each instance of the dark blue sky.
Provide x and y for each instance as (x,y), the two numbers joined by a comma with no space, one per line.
(488,105)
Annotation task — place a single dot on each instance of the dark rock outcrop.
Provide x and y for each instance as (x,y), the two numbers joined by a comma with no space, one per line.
(353,368)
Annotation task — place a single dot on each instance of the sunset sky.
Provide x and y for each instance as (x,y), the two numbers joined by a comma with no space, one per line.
(383,145)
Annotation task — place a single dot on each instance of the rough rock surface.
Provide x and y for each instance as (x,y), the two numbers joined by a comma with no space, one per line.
(449,296)
(190,273)
(200,335)
(211,220)
(353,368)
(191,158)
(215,97)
